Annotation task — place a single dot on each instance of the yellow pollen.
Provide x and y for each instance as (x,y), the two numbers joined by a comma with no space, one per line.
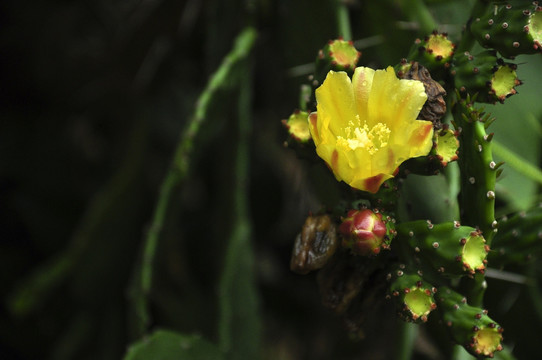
(371,140)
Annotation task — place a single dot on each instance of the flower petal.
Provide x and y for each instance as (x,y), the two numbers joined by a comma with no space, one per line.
(336,106)
(313,128)
(394,102)
(362,82)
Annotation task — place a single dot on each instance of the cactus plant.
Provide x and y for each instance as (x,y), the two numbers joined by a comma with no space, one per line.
(429,265)
(469,326)
(449,248)
(413,295)
(512,28)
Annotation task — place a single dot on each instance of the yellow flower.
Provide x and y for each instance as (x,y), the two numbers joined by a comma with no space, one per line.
(365,128)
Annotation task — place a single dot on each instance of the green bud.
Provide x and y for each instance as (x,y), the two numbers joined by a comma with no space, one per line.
(298,126)
(337,55)
(433,52)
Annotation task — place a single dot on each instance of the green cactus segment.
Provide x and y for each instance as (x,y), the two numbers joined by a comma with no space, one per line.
(337,55)
(433,52)
(450,248)
(535,27)
(298,126)
(504,81)
(413,295)
(469,326)
(483,74)
(510,29)
(519,239)
(446,145)
(478,170)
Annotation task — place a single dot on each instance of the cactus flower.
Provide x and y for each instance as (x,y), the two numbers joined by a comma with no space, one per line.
(364,232)
(366,127)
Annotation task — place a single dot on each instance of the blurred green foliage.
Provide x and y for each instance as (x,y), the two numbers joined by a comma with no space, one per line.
(93,97)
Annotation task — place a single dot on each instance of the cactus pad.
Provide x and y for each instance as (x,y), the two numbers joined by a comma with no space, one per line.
(511,28)
(469,325)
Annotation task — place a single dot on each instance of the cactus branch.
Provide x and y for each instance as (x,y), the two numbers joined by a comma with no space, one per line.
(478,170)
(467,40)
(343,20)
(180,164)
(518,163)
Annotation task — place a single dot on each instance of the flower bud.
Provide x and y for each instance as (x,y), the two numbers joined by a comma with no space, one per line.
(434,52)
(298,126)
(337,55)
(365,232)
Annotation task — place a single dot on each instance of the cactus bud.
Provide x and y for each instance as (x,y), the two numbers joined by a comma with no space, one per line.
(413,295)
(298,126)
(365,232)
(433,52)
(315,244)
(469,326)
(511,29)
(337,55)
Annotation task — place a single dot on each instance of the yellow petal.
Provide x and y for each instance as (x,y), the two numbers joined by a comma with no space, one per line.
(394,102)
(313,128)
(416,140)
(420,138)
(336,106)
(362,82)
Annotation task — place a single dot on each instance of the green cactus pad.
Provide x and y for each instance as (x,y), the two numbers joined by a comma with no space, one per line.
(474,252)
(511,28)
(447,145)
(412,294)
(485,76)
(469,326)
(504,81)
(535,28)
(451,249)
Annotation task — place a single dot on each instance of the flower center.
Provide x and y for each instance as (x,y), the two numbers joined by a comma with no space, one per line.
(371,140)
